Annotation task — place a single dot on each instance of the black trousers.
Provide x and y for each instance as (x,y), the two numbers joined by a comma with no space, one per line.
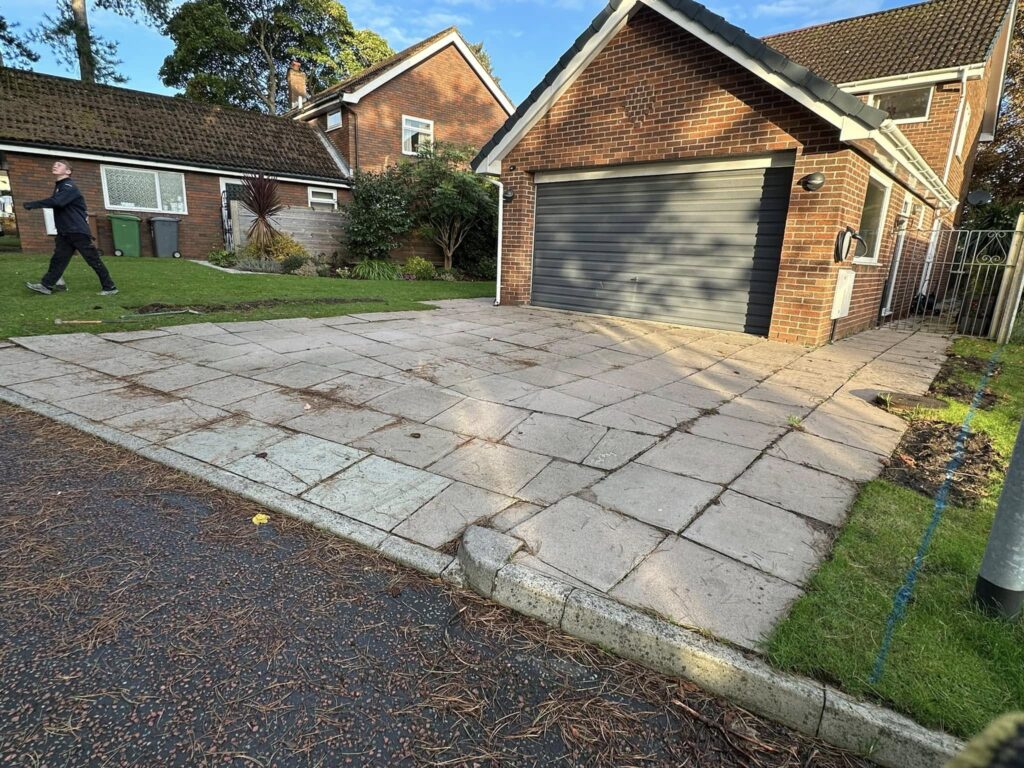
(64,248)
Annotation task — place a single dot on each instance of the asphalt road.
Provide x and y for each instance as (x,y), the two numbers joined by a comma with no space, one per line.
(145,621)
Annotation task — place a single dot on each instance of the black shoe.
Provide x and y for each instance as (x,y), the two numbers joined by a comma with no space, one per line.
(108,292)
(60,286)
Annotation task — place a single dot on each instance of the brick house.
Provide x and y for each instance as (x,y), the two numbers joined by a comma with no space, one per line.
(435,90)
(672,167)
(151,155)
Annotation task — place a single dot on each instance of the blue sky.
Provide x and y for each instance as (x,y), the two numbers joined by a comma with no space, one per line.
(524,37)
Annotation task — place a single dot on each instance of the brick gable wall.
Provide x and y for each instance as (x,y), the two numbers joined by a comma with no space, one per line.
(656,93)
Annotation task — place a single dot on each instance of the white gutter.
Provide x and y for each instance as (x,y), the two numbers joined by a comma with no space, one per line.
(892,138)
(501,229)
(958,122)
(911,79)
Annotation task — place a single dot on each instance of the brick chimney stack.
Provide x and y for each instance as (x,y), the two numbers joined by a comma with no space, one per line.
(296,85)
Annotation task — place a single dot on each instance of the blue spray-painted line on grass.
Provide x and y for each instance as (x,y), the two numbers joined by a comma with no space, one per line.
(906,591)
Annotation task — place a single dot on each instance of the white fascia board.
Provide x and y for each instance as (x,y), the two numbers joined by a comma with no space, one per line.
(115,160)
(775,160)
(565,79)
(449,39)
(913,79)
(995,98)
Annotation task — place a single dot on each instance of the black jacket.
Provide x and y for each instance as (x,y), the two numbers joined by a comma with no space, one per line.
(69,212)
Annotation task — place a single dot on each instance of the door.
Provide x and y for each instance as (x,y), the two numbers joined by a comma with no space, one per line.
(698,248)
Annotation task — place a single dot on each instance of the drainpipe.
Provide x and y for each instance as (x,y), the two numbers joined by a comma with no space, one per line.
(501,229)
(956,123)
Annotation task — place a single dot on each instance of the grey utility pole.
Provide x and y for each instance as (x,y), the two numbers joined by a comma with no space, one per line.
(1000,586)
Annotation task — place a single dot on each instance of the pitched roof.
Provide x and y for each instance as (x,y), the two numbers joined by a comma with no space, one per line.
(916,38)
(63,114)
(714,26)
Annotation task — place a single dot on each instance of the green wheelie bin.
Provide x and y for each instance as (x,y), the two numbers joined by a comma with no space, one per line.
(125,229)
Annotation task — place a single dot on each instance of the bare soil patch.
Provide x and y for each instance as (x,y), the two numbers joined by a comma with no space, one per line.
(949,381)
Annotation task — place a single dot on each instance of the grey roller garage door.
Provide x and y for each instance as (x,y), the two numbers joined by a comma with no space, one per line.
(695,248)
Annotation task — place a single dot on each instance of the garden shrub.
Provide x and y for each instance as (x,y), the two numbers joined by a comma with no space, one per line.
(258,264)
(307,269)
(222,258)
(376,269)
(280,248)
(419,268)
(293,262)
(379,215)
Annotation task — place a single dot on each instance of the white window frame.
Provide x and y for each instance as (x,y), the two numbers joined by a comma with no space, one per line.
(332,192)
(886,182)
(328,120)
(873,101)
(111,207)
(965,124)
(422,120)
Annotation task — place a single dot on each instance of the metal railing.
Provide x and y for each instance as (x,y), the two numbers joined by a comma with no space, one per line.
(958,281)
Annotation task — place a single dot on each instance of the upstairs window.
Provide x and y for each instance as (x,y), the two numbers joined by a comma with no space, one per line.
(906,106)
(333,120)
(416,134)
(137,189)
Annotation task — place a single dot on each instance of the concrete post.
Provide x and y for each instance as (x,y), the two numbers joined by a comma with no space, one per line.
(1000,586)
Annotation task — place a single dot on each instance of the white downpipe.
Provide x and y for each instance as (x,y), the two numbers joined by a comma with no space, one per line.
(501,230)
(957,122)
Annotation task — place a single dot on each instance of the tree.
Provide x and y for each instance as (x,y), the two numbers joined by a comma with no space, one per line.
(448,201)
(237,52)
(999,166)
(15,48)
(379,215)
(69,35)
(484,59)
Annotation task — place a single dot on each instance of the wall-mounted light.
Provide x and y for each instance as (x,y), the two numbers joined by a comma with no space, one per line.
(812,182)
(508,195)
(512,167)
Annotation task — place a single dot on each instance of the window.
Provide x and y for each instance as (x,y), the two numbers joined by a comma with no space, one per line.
(138,189)
(872,221)
(416,133)
(909,106)
(965,125)
(323,199)
(333,120)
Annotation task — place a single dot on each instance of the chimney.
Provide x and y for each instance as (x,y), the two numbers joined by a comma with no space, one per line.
(296,85)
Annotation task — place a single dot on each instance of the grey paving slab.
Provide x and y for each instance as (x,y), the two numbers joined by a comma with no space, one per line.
(728,429)
(226,390)
(296,463)
(45,368)
(194,329)
(777,414)
(178,377)
(578,366)
(248,365)
(558,403)
(123,336)
(659,410)
(355,388)
(448,514)
(491,421)
(653,496)
(449,374)
(67,386)
(494,467)
(849,404)
(326,355)
(543,376)
(768,538)
(699,457)
(617,447)
(698,587)
(842,460)
(598,392)
(558,480)
(778,393)
(130,363)
(632,378)
(113,402)
(513,515)
(690,394)
(279,405)
(227,440)
(411,443)
(556,436)
(567,535)
(298,375)
(416,402)
(613,417)
(165,421)
(377,491)
(496,388)
(805,490)
(722,380)
(858,434)
(339,423)
(203,351)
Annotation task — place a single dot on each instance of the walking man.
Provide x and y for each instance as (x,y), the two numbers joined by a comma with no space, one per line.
(72,221)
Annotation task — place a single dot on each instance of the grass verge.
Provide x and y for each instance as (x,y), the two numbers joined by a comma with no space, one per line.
(181,283)
(949,666)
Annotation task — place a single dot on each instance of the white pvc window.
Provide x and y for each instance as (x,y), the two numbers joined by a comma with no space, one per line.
(333,120)
(965,125)
(910,105)
(872,219)
(138,189)
(416,133)
(323,199)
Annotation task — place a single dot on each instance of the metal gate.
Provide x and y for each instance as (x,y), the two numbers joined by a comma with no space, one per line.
(955,281)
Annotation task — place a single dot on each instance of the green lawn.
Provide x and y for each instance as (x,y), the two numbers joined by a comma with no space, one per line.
(181,283)
(949,665)
(9,241)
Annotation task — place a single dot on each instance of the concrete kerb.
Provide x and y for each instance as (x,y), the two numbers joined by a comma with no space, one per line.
(808,706)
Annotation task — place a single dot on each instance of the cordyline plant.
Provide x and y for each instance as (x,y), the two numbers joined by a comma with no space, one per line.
(261,195)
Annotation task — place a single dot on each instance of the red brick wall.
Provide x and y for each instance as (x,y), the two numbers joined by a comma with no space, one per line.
(656,93)
(200,230)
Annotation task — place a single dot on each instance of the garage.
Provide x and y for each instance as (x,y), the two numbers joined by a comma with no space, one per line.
(694,244)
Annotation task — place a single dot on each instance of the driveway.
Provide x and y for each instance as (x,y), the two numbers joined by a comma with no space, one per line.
(698,474)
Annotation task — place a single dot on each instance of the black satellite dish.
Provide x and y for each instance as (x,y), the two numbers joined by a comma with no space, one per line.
(979,197)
